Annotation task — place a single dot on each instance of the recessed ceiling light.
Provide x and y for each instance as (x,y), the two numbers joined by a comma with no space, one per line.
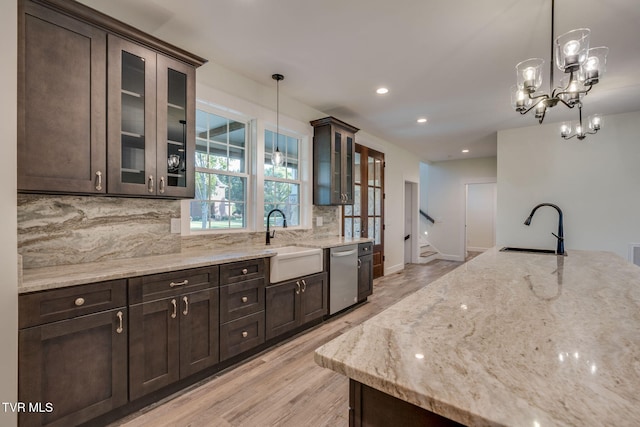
(422,120)
(465,151)
(382,90)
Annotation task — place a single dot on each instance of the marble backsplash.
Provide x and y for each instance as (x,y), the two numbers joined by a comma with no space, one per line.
(63,230)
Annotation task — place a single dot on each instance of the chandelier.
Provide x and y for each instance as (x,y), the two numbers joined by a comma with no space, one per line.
(583,68)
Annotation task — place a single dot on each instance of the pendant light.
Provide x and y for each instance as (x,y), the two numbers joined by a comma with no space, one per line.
(276,156)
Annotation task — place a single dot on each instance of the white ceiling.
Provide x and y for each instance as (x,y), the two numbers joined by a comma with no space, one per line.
(451,61)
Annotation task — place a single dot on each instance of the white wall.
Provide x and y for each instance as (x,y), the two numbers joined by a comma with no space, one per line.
(481,216)
(446,185)
(401,165)
(8,209)
(596,183)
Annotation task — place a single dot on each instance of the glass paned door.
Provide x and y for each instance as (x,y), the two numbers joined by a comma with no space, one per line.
(365,217)
(132,133)
(176,128)
(131,118)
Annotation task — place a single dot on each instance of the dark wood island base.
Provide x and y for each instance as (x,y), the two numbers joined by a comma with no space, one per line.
(369,407)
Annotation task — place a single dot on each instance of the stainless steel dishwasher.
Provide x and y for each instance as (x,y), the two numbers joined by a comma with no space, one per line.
(343,277)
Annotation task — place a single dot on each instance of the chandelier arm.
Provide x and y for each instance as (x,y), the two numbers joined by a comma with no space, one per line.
(564,102)
(545,96)
(569,137)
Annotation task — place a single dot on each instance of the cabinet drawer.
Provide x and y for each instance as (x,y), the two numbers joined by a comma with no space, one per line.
(365,248)
(241,335)
(241,299)
(241,271)
(157,286)
(65,303)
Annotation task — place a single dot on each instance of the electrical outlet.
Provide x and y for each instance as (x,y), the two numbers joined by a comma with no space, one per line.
(319,221)
(175,226)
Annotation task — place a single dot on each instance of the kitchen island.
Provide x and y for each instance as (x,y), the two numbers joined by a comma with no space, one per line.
(507,339)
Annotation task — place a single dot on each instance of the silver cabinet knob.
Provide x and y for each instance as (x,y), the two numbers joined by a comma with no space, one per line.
(79,301)
(245,271)
(245,334)
(244,299)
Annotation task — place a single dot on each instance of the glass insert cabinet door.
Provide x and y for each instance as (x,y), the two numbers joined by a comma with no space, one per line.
(176,128)
(151,122)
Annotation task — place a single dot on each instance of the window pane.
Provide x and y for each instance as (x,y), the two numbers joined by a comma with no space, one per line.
(348,210)
(356,201)
(372,171)
(378,201)
(356,169)
(371,203)
(348,227)
(357,227)
(284,196)
(377,232)
(220,202)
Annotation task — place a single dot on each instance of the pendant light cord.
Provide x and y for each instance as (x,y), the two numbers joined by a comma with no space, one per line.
(551,64)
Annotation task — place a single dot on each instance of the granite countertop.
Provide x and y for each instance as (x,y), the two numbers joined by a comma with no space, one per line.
(509,339)
(42,278)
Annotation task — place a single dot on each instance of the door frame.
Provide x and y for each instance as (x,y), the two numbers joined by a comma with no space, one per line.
(378,249)
(463,233)
(411,193)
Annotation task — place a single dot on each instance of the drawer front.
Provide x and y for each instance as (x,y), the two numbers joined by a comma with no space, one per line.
(241,299)
(65,303)
(365,248)
(164,285)
(241,335)
(241,271)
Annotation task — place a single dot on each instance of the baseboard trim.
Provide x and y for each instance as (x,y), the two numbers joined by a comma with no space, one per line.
(393,269)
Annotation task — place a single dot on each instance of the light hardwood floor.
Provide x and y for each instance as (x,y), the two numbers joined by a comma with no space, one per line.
(283,386)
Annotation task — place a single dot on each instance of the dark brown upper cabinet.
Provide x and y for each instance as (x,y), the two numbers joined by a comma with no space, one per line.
(333,156)
(151,101)
(61,103)
(103,107)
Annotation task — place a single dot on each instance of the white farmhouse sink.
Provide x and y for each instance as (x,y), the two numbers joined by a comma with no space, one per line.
(295,261)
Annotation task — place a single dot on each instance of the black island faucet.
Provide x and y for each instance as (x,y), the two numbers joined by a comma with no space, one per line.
(560,235)
(284,225)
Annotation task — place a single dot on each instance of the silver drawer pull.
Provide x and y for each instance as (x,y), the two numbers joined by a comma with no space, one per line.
(244,299)
(304,285)
(150,186)
(119,329)
(175,309)
(186,305)
(183,283)
(79,301)
(245,334)
(99,181)
(297,287)
(245,271)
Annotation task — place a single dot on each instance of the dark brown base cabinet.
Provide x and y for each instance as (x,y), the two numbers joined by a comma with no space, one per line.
(294,303)
(372,408)
(92,353)
(175,336)
(365,270)
(75,369)
(242,314)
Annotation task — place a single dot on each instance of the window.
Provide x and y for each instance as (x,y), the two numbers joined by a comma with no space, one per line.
(282,183)
(221,173)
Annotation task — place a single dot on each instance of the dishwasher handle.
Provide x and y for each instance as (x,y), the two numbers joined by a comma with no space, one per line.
(345,253)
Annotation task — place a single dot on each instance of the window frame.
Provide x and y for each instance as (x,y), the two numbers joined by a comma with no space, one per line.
(298,181)
(258,119)
(249,123)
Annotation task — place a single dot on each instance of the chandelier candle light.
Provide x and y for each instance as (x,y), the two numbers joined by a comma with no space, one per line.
(583,68)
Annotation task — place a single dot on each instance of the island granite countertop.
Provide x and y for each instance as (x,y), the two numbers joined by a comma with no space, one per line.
(509,339)
(42,278)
